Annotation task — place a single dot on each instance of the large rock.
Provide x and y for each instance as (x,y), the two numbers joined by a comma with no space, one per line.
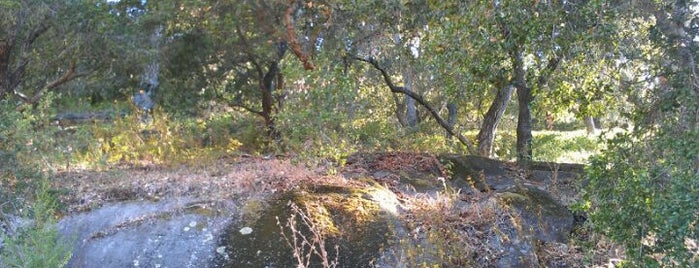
(541,216)
(535,219)
(471,172)
(535,215)
(177,233)
(362,216)
(359,220)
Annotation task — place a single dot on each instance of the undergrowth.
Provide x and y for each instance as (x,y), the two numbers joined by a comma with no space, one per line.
(27,203)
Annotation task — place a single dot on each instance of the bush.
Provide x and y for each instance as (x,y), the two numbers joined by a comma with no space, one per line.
(35,243)
(643,194)
(26,139)
(166,140)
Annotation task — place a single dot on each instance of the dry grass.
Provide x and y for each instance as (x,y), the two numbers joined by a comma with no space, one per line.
(223,179)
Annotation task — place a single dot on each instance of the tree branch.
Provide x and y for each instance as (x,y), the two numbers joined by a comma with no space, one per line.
(247,108)
(68,76)
(421,101)
(248,49)
(290,37)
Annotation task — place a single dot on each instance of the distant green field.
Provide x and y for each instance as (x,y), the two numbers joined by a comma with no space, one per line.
(556,146)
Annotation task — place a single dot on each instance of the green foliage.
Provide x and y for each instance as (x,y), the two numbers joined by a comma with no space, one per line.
(550,146)
(643,188)
(644,191)
(26,144)
(162,139)
(573,146)
(36,243)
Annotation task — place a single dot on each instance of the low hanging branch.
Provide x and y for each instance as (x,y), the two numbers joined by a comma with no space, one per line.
(421,101)
(293,41)
(68,76)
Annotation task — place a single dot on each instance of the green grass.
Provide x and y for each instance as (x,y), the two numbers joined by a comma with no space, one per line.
(574,146)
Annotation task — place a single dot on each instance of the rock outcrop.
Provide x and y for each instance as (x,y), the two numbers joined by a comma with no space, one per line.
(513,213)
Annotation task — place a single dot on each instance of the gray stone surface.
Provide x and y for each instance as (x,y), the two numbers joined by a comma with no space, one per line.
(192,233)
(179,233)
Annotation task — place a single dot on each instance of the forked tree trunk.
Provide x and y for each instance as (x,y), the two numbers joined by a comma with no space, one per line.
(486,135)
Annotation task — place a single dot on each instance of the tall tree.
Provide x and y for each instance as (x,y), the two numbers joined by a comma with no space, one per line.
(643,188)
(45,44)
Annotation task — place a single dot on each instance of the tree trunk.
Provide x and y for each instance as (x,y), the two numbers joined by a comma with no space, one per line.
(451,117)
(4,64)
(486,135)
(411,112)
(400,110)
(590,125)
(524,118)
(149,81)
(267,88)
(410,108)
(524,125)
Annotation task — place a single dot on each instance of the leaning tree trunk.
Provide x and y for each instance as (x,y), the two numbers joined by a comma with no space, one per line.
(486,135)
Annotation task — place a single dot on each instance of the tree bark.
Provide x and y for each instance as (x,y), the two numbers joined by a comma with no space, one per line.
(524,125)
(452,110)
(411,112)
(486,135)
(151,72)
(4,67)
(410,107)
(590,125)
(400,109)
(267,89)
(524,118)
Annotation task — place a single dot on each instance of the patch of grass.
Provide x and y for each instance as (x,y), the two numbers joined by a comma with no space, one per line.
(164,141)
(564,146)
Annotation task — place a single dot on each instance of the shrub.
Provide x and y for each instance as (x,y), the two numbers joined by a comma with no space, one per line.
(643,194)
(26,139)
(35,243)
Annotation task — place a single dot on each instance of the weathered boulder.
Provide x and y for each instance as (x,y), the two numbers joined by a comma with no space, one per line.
(471,172)
(535,216)
(541,216)
(359,220)
(369,215)
(176,233)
